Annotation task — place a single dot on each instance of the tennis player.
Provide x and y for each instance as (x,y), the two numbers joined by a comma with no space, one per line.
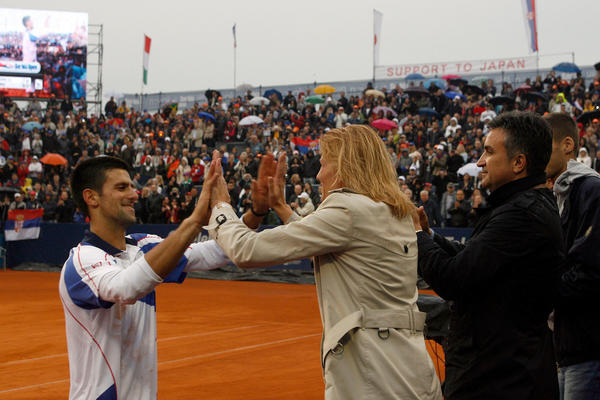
(107,284)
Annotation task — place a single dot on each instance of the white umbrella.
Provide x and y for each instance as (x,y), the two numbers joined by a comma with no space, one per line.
(471,168)
(251,120)
(258,100)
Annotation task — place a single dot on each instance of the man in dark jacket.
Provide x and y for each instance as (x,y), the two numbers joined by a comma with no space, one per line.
(576,325)
(431,209)
(503,282)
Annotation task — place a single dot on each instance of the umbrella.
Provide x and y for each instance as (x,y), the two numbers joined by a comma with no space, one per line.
(589,115)
(206,115)
(440,83)
(29,126)
(478,80)
(53,159)
(523,89)
(566,67)
(458,81)
(384,124)
(534,96)
(501,100)
(111,121)
(272,92)
(385,110)
(471,169)
(315,100)
(244,87)
(428,112)
(251,120)
(9,189)
(451,95)
(212,93)
(416,90)
(259,100)
(451,76)
(324,89)
(374,92)
(414,77)
(473,89)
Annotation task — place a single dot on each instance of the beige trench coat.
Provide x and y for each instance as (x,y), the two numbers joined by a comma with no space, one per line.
(366,270)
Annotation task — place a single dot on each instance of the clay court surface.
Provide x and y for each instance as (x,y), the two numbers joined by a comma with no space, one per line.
(216,340)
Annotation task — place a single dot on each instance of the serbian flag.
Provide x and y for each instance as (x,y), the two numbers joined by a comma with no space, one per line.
(303,145)
(531,25)
(147,42)
(23,224)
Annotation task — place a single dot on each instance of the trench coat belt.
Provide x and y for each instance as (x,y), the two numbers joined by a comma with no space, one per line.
(372,319)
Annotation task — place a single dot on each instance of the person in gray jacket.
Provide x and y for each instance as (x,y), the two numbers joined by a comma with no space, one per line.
(577,191)
(365,255)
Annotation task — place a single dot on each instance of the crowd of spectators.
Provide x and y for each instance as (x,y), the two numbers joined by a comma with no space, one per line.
(170,150)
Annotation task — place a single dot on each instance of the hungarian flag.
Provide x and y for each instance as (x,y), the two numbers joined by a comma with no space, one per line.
(23,224)
(147,42)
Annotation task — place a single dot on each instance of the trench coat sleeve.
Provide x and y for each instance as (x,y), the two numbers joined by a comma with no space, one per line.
(501,244)
(327,230)
(581,279)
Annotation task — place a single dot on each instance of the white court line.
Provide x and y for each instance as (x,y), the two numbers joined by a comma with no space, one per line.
(33,386)
(236,349)
(210,333)
(31,359)
(160,340)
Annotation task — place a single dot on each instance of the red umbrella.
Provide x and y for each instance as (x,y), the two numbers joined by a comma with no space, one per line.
(53,159)
(119,121)
(523,89)
(384,124)
(451,76)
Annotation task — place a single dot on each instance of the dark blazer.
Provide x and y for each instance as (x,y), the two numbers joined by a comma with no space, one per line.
(502,285)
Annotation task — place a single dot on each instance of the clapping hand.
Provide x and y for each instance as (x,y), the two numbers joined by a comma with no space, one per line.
(260,187)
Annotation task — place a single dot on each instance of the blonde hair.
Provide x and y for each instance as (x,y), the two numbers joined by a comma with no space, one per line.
(363,165)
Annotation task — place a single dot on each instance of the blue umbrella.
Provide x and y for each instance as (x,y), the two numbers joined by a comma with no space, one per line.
(428,112)
(452,95)
(29,126)
(275,92)
(414,77)
(437,81)
(566,67)
(206,115)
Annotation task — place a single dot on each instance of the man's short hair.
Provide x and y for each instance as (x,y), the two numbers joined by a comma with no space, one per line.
(528,134)
(25,19)
(91,174)
(563,126)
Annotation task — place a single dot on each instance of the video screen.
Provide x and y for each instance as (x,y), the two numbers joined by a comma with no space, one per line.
(43,53)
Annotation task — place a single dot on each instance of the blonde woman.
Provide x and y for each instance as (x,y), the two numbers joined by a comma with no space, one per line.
(365,254)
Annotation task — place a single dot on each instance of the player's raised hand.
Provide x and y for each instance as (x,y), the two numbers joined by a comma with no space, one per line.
(277,183)
(201,213)
(260,187)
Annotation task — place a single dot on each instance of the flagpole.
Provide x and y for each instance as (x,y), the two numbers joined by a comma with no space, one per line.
(142,85)
(234,61)
(374,44)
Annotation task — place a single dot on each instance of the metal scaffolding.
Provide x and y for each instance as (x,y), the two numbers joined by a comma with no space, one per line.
(94,58)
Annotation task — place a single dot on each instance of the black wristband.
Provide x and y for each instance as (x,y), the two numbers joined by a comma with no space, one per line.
(257,214)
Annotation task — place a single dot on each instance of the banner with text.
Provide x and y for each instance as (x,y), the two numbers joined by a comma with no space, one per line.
(477,67)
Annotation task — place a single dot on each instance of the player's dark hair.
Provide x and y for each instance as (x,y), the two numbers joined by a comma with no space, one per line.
(91,174)
(563,126)
(25,19)
(528,134)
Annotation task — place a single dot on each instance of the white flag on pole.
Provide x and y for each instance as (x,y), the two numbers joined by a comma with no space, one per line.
(377,20)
